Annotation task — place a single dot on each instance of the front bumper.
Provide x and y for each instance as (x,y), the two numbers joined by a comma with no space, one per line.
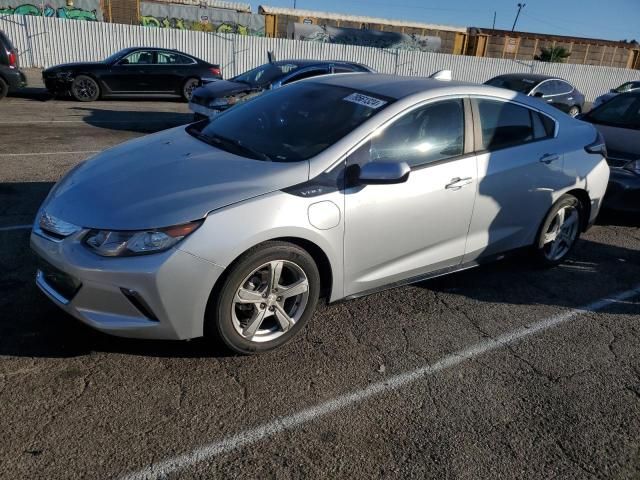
(158,296)
(623,191)
(57,84)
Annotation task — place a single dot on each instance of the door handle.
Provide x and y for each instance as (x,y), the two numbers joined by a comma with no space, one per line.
(549,157)
(457,183)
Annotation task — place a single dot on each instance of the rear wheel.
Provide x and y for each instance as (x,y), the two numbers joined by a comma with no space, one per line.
(268,296)
(189,86)
(4,88)
(560,231)
(574,111)
(85,89)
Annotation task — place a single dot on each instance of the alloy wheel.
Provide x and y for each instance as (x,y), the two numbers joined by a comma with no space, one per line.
(85,88)
(562,233)
(270,300)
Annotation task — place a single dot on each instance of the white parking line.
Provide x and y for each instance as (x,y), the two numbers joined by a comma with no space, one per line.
(78,152)
(15,227)
(289,422)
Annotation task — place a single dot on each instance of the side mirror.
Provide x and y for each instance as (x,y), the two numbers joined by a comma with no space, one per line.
(538,94)
(383,173)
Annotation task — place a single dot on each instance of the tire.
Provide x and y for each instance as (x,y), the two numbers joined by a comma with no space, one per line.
(189,86)
(574,111)
(248,312)
(85,89)
(4,88)
(559,231)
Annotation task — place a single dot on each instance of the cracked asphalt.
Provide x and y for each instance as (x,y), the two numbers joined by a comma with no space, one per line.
(74,403)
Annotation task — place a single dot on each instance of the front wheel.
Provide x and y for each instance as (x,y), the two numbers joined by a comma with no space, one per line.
(560,231)
(268,296)
(85,89)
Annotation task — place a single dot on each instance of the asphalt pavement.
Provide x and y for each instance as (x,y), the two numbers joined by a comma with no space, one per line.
(504,371)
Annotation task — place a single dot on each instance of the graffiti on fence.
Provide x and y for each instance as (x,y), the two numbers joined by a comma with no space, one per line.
(55,9)
(201,19)
(365,38)
(202,25)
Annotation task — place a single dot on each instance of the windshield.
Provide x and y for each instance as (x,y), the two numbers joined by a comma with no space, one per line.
(116,56)
(621,111)
(265,74)
(290,124)
(522,85)
(625,87)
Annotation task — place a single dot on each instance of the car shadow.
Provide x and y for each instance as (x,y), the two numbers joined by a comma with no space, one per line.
(32,93)
(139,121)
(621,219)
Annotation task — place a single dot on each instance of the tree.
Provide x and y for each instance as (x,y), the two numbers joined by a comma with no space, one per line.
(553,54)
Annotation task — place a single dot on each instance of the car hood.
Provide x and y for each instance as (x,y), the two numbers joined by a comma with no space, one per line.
(161,180)
(222,88)
(73,66)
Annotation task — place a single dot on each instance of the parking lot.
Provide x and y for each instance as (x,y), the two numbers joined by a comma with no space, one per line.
(504,371)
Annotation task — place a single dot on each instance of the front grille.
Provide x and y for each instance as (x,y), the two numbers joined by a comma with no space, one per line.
(62,283)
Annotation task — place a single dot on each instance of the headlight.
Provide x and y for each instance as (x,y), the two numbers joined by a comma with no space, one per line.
(222,102)
(109,243)
(633,167)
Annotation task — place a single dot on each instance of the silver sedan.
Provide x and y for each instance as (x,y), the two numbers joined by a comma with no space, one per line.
(329,188)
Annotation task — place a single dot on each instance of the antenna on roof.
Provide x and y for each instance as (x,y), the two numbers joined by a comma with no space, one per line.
(443,75)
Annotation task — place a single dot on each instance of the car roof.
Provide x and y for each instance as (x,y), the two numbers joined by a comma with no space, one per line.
(536,77)
(392,85)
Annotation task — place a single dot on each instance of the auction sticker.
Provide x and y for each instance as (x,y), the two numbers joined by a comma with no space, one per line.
(365,100)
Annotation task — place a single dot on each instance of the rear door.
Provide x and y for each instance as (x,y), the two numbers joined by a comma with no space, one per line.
(520,166)
(401,231)
(171,71)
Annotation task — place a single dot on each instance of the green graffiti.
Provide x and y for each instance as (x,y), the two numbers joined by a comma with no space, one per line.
(149,21)
(49,11)
(77,14)
(199,26)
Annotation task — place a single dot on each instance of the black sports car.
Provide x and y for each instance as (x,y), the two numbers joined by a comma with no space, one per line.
(132,72)
(219,95)
(555,91)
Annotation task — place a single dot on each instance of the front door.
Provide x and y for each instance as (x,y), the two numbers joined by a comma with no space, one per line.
(133,74)
(397,232)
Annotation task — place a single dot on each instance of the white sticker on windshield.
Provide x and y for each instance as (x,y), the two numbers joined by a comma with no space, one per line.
(365,100)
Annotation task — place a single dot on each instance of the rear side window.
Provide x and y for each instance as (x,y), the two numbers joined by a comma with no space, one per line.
(543,126)
(504,124)
(166,58)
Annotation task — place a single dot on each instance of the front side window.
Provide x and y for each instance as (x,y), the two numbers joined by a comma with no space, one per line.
(265,74)
(290,124)
(427,134)
(621,111)
(141,57)
(506,124)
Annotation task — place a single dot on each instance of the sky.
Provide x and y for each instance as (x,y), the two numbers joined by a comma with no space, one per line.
(608,19)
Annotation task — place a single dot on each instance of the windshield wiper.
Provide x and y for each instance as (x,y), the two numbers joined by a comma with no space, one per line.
(237,145)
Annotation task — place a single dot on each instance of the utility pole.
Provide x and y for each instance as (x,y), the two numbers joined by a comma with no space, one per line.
(520,7)
(494,20)
(294,3)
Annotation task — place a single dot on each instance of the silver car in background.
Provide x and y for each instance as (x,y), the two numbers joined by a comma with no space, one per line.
(333,188)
